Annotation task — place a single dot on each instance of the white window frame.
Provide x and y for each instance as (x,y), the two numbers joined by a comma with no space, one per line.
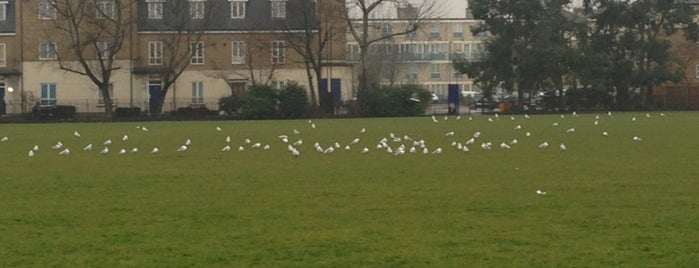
(3,55)
(105,9)
(47,11)
(238,52)
(104,49)
(278,52)
(238,8)
(696,71)
(457,30)
(100,96)
(278,9)
(155,53)
(435,71)
(197,9)
(197,50)
(197,92)
(435,31)
(155,9)
(48,99)
(47,51)
(3,10)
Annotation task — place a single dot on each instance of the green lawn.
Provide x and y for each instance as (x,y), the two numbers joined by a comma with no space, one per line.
(611,201)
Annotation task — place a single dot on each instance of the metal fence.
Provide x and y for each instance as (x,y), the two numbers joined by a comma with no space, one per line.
(91,106)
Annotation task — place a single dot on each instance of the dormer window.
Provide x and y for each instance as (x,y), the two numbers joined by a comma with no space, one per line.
(278,9)
(238,9)
(196,8)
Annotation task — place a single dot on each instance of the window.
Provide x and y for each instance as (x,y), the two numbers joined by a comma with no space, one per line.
(436,71)
(100,95)
(47,51)
(197,50)
(411,72)
(48,94)
(458,30)
(278,9)
(155,53)
(386,29)
(278,52)
(3,10)
(434,31)
(196,8)
(238,9)
(104,50)
(105,9)
(3,55)
(197,92)
(696,71)
(279,84)
(47,11)
(238,52)
(155,9)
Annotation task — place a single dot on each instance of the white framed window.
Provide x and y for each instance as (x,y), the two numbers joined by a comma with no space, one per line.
(458,30)
(155,9)
(100,94)
(47,11)
(278,52)
(105,9)
(197,50)
(3,10)
(47,51)
(104,50)
(196,8)
(279,84)
(410,72)
(435,71)
(696,71)
(238,52)
(386,29)
(3,55)
(48,94)
(155,53)
(435,31)
(278,8)
(238,9)
(197,92)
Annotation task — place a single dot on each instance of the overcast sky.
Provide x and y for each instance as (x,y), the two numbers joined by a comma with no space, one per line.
(457,8)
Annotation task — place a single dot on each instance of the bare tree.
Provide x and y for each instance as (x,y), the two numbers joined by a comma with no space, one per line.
(362,24)
(256,71)
(96,32)
(182,35)
(309,32)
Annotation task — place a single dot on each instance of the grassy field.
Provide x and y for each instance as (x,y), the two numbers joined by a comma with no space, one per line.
(611,201)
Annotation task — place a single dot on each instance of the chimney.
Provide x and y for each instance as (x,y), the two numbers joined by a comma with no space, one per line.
(407,12)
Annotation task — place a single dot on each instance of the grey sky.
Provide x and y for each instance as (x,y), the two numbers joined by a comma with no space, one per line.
(456,8)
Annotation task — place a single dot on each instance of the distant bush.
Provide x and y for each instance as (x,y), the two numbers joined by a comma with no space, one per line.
(229,104)
(259,102)
(293,101)
(127,112)
(193,112)
(57,112)
(402,100)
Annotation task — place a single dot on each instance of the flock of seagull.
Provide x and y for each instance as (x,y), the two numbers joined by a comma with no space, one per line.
(392,144)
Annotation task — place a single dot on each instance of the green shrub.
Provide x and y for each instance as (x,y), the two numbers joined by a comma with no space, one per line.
(193,112)
(293,101)
(403,100)
(259,102)
(229,104)
(127,111)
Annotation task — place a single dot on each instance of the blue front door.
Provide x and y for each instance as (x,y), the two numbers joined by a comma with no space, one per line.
(336,89)
(155,89)
(3,104)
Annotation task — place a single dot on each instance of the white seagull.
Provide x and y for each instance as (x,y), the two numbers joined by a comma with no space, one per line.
(57,146)
(226,148)
(31,153)
(125,137)
(36,148)
(155,150)
(107,142)
(66,151)
(543,145)
(570,130)
(182,148)
(122,151)
(134,150)
(563,147)
(218,128)
(188,142)
(88,147)
(637,138)
(540,192)
(105,150)
(605,133)
(76,134)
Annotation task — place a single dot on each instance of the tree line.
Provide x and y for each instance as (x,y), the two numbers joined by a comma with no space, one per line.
(611,52)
